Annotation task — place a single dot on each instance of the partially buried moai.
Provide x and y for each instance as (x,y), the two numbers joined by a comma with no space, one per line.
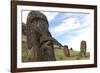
(83,48)
(39,39)
(66,51)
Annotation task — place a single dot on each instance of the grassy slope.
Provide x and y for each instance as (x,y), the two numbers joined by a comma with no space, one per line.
(73,55)
(59,55)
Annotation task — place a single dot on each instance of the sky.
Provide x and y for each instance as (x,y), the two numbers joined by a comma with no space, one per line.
(69,28)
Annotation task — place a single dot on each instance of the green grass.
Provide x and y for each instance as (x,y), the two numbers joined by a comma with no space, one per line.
(59,55)
(73,55)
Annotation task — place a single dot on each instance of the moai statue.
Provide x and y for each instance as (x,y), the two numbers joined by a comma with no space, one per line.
(39,39)
(66,51)
(83,47)
(71,49)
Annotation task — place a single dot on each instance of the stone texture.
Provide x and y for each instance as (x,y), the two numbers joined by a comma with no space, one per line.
(83,47)
(39,38)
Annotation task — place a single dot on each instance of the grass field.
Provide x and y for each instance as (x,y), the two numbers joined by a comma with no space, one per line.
(74,55)
(59,54)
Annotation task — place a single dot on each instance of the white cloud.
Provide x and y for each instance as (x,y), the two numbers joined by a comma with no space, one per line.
(67,24)
(50,15)
(75,41)
(82,34)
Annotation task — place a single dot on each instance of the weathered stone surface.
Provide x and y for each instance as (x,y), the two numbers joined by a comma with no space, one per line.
(39,38)
(83,47)
(47,51)
(66,51)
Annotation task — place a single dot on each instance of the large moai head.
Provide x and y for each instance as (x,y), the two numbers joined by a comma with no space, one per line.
(83,48)
(38,36)
(66,50)
(36,23)
(38,20)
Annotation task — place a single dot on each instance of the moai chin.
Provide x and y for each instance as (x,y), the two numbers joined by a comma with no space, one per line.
(39,39)
(83,47)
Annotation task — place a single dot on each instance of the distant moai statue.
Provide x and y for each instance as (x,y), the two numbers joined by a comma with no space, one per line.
(83,48)
(39,39)
(71,49)
(66,51)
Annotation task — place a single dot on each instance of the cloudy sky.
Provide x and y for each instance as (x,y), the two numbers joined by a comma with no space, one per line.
(69,28)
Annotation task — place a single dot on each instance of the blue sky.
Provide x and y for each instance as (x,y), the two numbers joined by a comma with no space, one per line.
(69,28)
